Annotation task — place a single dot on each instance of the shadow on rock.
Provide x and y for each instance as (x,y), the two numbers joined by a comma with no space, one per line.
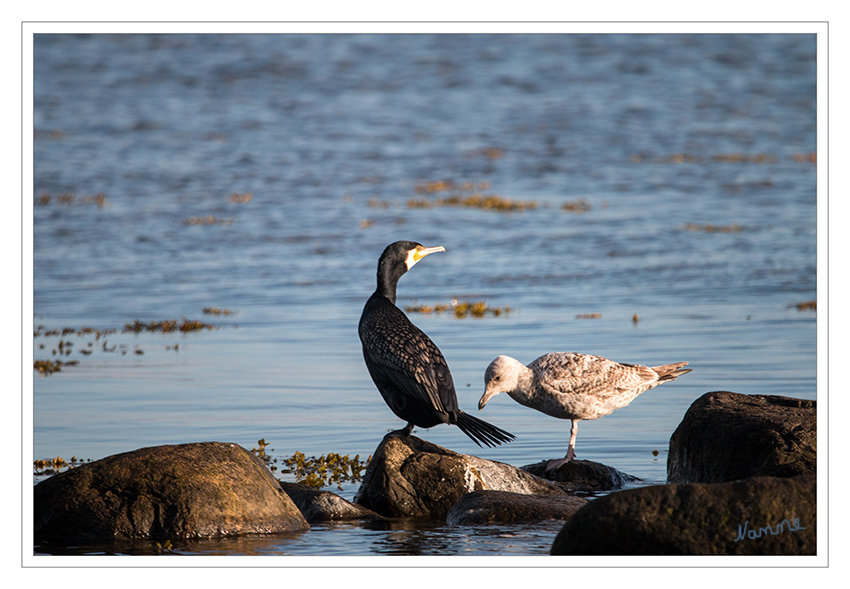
(582,476)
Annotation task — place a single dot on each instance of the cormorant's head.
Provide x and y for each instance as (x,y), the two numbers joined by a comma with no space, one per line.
(502,376)
(407,253)
(398,258)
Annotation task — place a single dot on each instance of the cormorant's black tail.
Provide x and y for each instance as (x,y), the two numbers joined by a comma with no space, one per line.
(481,431)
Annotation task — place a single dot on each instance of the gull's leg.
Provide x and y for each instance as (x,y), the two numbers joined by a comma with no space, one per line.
(571,450)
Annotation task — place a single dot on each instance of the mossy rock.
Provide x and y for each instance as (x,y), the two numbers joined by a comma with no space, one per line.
(186,491)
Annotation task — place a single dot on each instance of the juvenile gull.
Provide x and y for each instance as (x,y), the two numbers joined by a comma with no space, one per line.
(407,367)
(573,386)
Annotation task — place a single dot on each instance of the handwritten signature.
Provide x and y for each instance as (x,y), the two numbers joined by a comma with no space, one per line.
(792,526)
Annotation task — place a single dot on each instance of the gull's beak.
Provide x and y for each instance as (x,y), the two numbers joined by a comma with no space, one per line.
(488,394)
(420,253)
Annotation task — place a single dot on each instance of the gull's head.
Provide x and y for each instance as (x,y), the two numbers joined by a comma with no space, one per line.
(502,376)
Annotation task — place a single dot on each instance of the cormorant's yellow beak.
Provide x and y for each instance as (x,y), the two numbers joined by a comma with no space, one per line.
(421,252)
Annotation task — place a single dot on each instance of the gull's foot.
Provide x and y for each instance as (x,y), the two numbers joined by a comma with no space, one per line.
(556,464)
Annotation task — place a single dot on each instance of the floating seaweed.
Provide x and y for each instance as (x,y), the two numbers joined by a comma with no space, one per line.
(217,311)
(803,157)
(240,198)
(686,158)
(492,202)
(446,185)
(589,316)
(68,198)
(207,220)
(576,206)
(461,309)
(167,326)
(65,331)
(759,158)
(709,228)
(48,367)
(807,306)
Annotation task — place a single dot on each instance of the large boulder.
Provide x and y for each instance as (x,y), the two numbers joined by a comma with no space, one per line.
(502,507)
(765,515)
(202,490)
(729,436)
(582,476)
(409,477)
(320,506)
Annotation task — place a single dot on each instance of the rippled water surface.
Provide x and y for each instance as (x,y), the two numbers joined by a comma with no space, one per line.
(264,175)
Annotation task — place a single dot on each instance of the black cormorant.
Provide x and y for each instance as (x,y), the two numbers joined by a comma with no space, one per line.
(407,367)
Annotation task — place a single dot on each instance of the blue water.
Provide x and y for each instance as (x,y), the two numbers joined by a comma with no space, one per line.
(331,135)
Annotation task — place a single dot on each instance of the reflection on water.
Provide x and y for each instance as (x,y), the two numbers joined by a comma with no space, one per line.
(264,174)
(401,538)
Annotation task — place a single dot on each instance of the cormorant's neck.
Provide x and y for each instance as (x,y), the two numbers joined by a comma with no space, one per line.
(388,276)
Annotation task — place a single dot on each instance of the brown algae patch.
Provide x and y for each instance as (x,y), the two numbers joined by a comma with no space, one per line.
(51,466)
(492,202)
(576,206)
(687,158)
(590,316)
(324,470)
(207,220)
(69,199)
(167,326)
(807,306)
(449,185)
(461,309)
(709,228)
(217,311)
(240,197)
(48,367)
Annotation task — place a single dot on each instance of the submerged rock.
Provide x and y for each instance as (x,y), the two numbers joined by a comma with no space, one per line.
(765,515)
(202,490)
(729,436)
(409,477)
(582,476)
(502,507)
(319,506)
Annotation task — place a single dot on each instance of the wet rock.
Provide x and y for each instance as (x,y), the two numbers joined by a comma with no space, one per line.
(729,436)
(502,507)
(409,477)
(202,490)
(582,476)
(698,519)
(320,506)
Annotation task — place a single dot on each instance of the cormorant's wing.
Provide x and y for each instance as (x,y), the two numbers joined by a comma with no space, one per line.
(406,357)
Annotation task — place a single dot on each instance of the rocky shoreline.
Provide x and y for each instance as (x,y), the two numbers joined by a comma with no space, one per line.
(741,480)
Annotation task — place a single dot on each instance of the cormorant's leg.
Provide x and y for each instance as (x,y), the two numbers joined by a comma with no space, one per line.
(404,432)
